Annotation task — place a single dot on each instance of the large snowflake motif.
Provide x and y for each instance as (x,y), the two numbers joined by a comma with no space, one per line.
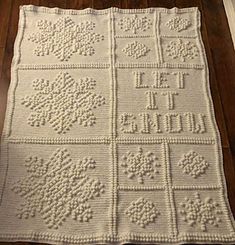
(142,212)
(200,213)
(64,38)
(140,164)
(193,164)
(136,49)
(63,102)
(178,24)
(182,50)
(135,24)
(57,188)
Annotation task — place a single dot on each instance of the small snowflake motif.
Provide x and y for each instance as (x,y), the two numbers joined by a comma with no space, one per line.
(193,164)
(142,212)
(178,24)
(135,24)
(64,38)
(200,213)
(140,164)
(63,102)
(183,50)
(57,188)
(135,49)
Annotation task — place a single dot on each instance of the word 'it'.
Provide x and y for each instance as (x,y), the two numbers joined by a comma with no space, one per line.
(152,99)
(157,123)
(159,79)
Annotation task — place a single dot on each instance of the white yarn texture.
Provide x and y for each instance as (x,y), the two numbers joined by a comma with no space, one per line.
(110,134)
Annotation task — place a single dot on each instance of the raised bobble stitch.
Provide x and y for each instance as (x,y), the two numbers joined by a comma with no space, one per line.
(65,38)
(63,102)
(58,188)
(142,212)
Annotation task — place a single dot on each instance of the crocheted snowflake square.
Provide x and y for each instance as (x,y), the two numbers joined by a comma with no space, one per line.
(194,164)
(56,188)
(181,50)
(201,213)
(140,165)
(177,24)
(144,211)
(134,25)
(135,50)
(68,103)
(65,39)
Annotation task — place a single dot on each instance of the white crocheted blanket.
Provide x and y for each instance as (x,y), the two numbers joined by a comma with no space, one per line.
(110,134)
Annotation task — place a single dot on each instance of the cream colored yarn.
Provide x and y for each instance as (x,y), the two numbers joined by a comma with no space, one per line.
(110,134)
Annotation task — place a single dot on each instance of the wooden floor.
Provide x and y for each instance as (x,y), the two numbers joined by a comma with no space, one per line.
(219,49)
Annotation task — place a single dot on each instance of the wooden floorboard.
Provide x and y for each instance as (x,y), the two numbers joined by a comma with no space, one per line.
(221,58)
(218,45)
(53,3)
(105,4)
(78,4)
(162,3)
(5,10)
(135,4)
(3,92)
(230,176)
(219,114)
(223,55)
(5,13)
(1,58)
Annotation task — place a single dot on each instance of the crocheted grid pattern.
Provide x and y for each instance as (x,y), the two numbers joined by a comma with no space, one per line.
(110,134)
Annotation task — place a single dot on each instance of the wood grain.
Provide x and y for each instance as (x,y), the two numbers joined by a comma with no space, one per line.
(5,10)
(162,3)
(3,93)
(219,50)
(221,59)
(78,4)
(53,3)
(219,114)
(105,4)
(223,55)
(135,4)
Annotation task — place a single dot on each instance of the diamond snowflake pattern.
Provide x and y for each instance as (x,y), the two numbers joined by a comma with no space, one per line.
(142,212)
(135,49)
(63,102)
(64,38)
(134,24)
(183,50)
(200,213)
(193,164)
(140,165)
(178,24)
(57,188)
